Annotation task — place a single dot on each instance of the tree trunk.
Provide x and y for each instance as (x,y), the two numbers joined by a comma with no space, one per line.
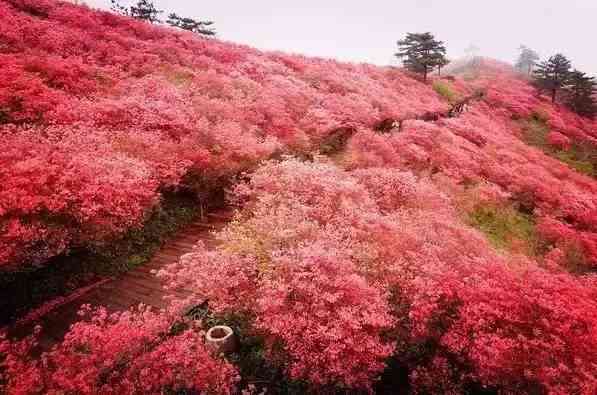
(424,73)
(553,95)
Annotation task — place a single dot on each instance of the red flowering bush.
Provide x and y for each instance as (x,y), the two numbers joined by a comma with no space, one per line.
(226,280)
(337,276)
(81,196)
(542,185)
(130,352)
(520,330)
(320,318)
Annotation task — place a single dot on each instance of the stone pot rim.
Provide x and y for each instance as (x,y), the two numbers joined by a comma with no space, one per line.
(227,330)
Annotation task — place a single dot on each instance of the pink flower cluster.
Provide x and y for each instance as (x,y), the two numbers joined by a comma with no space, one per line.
(290,266)
(523,329)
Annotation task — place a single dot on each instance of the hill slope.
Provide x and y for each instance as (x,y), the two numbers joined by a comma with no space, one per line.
(460,247)
(127,108)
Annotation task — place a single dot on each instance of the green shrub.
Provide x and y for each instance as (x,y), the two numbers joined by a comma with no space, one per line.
(445,90)
(574,159)
(506,227)
(535,131)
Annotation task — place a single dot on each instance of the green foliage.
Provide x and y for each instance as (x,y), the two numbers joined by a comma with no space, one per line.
(535,130)
(552,75)
(578,160)
(506,227)
(580,94)
(144,10)
(25,289)
(444,89)
(581,157)
(421,53)
(192,25)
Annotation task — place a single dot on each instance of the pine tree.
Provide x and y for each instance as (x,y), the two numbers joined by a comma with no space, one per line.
(143,9)
(443,62)
(526,60)
(119,8)
(421,53)
(580,94)
(552,75)
(199,27)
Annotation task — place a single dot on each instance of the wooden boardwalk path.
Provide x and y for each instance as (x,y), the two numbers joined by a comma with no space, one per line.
(132,288)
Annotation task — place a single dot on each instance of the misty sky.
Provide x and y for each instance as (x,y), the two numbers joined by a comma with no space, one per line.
(367,30)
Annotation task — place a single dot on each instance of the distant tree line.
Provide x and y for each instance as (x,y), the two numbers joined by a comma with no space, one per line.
(422,53)
(556,77)
(147,11)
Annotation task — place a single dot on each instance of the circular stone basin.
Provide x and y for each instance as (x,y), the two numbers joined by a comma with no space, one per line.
(221,338)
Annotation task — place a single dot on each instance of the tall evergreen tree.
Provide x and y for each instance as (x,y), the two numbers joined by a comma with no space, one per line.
(526,60)
(421,52)
(143,9)
(195,26)
(580,94)
(443,62)
(552,75)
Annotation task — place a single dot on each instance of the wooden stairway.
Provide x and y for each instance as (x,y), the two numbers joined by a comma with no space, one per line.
(132,288)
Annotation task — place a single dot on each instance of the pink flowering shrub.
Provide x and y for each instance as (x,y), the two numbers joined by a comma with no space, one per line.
(81,196)
(338,277)
(176,106)
(321,320)
(544,186)
(327,317)
(129,352)
(225,280)
(520,330)
(322,316)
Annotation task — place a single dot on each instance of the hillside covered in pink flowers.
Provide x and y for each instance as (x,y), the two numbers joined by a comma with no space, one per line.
(380,243)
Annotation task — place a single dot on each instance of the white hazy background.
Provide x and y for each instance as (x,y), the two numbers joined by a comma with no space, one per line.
(367,31)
